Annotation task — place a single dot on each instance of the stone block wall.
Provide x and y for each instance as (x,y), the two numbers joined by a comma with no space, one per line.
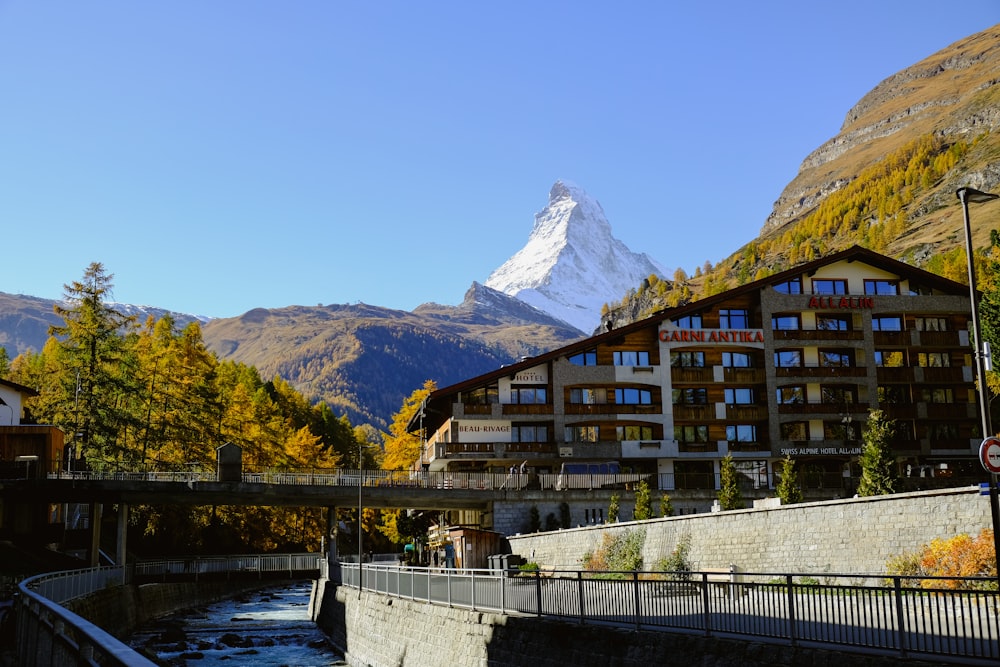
(849,536)
(379,631)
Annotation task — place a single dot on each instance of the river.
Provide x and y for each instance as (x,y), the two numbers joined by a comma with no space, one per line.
(266,627)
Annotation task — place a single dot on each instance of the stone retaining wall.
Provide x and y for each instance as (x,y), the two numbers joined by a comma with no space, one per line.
(850,536)
(374,630)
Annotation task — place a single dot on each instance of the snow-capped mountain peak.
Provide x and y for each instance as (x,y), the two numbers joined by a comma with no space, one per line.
(572,264)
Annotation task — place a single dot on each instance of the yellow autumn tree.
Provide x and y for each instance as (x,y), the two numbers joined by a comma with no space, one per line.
(402,449)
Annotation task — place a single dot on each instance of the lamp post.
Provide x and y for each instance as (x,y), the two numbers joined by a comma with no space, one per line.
(966,195)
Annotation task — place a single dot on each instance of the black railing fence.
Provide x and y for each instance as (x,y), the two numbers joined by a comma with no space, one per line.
(905,616)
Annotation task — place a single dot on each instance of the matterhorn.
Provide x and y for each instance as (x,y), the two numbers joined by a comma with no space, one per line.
(572,265)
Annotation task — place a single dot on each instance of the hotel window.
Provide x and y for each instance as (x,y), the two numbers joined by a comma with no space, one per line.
(934,359)
(528,395)
(887,323)
(482,396)
(792,286)
(794,431)
(930,323)
(691,433)
(786,322)
(634,432)
(739,396)
(937,395)
(631,358)
(917,289)
(942,431)
(835,394)
(836,358)
(792,395)
(833,323)
(890,358)
(840,430)
(687,359)
(829,286)
(788,358)
(736,360)
(586,358)
(690,396)
(582,434)
(529,433)
(893,394)
(588,396)
(734,318)
(889,287)
(632,396)
(688,321)
(741,433)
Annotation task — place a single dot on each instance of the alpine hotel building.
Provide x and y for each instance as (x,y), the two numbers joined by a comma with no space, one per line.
(789,365)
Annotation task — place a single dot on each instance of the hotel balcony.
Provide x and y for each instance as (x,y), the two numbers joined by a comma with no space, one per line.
(745,413)
(903,374)
(824,335)
(821,408)
(494,450)
(744,375)
(820,371)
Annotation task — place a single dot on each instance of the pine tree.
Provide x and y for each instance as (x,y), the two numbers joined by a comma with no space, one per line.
(643,502)
(788,489)
(729,496)
(878,467)
(613,509)
(93,357)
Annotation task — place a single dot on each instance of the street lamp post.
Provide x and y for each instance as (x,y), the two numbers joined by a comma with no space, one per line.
(966,195)
(361,473)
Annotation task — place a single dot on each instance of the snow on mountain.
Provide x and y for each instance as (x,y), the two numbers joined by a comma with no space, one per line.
(572,265)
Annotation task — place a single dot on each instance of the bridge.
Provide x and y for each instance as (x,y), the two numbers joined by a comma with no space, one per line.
(26,500)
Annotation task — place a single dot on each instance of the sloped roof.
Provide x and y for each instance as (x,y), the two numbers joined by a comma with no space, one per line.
(20,388)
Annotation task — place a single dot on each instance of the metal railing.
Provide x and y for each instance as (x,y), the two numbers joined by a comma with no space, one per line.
(49,634)
(908,616)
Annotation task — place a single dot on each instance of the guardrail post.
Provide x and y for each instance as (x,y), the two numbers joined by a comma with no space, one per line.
(792,633)
(538,591)
(472,585)
(635,589)
(897,587)
(705,603)
(579,593)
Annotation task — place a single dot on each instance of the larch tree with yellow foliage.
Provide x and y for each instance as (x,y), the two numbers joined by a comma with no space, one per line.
(402,450)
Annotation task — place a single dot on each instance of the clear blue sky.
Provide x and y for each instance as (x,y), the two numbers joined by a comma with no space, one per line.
(225,155)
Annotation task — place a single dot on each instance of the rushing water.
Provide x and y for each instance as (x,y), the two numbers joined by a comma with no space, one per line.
(267,627)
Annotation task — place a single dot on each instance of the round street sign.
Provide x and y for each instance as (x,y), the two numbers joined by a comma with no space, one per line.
(989,454)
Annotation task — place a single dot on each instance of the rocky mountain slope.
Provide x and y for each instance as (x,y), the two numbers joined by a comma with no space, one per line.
(952,94)
(365,360)
(886,181)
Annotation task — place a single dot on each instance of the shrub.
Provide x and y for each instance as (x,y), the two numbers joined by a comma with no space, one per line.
(678,562)
(958,556)
(617,553)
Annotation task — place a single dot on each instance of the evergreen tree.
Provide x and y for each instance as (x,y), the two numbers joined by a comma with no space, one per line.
(729,495)
(666,506)
(94,360)
(613,509)
(879,475)
(788,489)
(643,502)
(4,363)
